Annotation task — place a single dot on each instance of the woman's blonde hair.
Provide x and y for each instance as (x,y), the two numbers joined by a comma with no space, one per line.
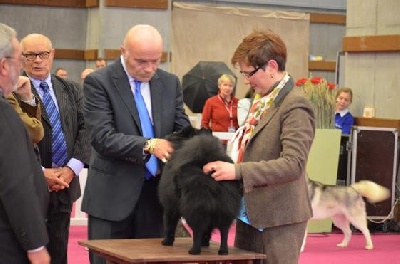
(226,78)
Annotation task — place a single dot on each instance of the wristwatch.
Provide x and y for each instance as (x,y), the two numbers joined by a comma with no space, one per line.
(146,147)
(149,146)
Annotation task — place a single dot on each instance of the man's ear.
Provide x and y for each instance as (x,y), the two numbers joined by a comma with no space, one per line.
(52,52)
(4,66)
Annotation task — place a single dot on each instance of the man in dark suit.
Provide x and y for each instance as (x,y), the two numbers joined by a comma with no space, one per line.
(121,189)
(64,149)
(23,190)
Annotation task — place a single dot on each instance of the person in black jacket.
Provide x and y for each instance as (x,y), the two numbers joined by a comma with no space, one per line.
(23,189)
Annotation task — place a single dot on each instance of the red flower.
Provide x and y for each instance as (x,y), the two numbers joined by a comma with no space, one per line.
(331,86)
(301,81)
(316,80)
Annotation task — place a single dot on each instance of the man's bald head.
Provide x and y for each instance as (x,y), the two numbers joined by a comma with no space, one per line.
(142,51)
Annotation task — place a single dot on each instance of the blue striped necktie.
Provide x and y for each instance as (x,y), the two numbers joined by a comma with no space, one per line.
(58,146)
(147,129)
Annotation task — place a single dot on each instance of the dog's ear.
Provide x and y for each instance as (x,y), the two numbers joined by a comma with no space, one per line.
(205,131)
(185,132)
(188,131)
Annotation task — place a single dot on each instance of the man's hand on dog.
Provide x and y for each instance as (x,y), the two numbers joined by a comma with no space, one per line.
(163,150)
(220,171)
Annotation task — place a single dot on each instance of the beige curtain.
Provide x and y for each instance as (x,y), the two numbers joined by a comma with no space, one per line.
(212,33)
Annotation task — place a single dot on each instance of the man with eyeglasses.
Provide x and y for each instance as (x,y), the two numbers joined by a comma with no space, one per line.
(23,190)
(64,149)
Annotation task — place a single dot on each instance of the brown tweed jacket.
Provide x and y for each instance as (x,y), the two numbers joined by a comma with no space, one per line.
(30,117)
(274,163)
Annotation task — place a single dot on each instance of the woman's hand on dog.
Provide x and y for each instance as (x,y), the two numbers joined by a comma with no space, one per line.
(220,171)
(163,150)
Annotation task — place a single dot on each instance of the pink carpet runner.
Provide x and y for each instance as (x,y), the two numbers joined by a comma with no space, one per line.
(320,248)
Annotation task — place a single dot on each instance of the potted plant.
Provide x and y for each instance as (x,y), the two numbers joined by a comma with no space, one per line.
(322,96)
(323,158)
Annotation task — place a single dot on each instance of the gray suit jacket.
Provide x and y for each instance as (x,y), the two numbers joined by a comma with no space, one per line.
(23,190)
(117,170)
(275,186)
(70,103)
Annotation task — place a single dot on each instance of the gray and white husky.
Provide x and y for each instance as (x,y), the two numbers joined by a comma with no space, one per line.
(345,205)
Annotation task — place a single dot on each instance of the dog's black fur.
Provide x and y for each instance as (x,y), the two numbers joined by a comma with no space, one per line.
(185,191)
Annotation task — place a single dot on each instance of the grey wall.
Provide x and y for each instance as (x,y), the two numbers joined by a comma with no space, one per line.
(104,28)
(374,76)
(325,39)
(66,27)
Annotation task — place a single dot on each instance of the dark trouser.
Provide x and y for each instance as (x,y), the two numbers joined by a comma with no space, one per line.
(58,221)
(145,221)
(281,244)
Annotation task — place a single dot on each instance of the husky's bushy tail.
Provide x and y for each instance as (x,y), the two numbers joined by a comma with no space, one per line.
(372,191)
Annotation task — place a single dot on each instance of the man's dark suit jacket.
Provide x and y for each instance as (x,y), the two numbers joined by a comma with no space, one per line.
(23,190)
(70,104)
(116,171)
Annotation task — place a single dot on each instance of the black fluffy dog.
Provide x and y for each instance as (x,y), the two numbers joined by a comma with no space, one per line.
(185,191)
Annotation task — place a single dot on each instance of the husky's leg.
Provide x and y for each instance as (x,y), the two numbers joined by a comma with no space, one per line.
(304,240)
(361,223)
(343,224)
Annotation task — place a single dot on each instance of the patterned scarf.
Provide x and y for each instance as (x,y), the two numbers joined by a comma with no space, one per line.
(257,110)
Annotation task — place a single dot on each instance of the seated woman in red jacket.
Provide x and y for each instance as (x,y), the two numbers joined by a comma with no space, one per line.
(220,111)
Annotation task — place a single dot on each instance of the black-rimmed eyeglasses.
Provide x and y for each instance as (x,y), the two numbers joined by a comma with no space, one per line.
(248,74)
(32,56)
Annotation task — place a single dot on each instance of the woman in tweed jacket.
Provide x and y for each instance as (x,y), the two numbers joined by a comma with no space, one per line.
(270,153)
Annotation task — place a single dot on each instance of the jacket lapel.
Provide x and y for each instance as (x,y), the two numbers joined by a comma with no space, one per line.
(62,97)
(123,88)
(121,83)
(274,107)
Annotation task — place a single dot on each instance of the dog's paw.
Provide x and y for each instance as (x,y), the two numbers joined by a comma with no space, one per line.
(194,251)
(222,252)
(342,244)
(205,243)
(167,242)
(369,247)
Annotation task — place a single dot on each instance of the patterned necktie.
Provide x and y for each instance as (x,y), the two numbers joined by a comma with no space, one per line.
(147,128)
(59,146)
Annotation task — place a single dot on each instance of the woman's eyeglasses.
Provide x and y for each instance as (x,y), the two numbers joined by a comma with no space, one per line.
(248,74)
